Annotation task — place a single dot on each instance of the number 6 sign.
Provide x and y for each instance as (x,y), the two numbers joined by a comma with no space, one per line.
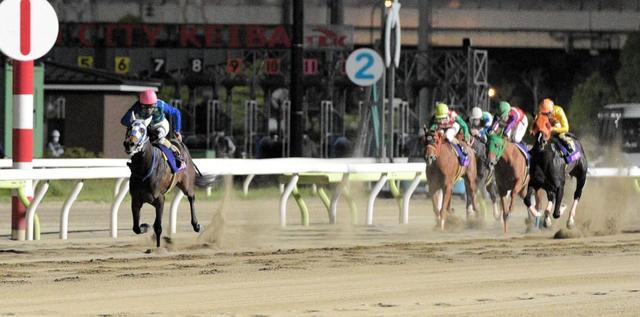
(364,67)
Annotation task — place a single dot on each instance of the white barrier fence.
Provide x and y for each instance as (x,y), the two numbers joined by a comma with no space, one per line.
(83,169)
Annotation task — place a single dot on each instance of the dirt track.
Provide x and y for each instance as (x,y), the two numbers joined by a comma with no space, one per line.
(262,270)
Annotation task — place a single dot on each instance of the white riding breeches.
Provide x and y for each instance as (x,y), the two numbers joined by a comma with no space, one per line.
(520,130)
(450,134)
(161,129)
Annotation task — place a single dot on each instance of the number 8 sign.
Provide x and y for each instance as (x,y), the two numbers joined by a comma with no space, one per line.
(364,67)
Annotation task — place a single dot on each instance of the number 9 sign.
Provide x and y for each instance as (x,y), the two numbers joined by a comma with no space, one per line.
(364,67)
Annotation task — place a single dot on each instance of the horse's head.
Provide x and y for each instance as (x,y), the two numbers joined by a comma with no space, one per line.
(136,135)
(432,144)
(542,131)
(495,148)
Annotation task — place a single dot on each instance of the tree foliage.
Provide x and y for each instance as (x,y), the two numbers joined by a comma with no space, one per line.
(629,74)
(587,99)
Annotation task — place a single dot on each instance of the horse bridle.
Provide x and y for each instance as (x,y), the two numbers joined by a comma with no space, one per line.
(138,131)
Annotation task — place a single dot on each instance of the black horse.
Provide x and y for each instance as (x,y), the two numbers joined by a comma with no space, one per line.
(151,177)
(548,172)
(486,179)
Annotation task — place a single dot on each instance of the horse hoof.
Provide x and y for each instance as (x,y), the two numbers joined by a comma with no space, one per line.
(571,223)
(197,227)
(547,222)
(144,228)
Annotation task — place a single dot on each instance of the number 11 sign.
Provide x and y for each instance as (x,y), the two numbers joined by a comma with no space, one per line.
(364,67)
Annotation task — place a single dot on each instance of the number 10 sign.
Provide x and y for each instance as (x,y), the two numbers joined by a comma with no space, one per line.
(364,67)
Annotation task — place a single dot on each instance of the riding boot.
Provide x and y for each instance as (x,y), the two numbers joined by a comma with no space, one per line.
(568,143)
(175,150)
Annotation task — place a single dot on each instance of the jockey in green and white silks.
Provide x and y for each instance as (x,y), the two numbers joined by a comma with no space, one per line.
(451,123)
(149,105)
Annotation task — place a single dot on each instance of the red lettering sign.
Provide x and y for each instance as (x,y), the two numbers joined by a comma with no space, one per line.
(234,65)
(310,66)
(188,36)
(272,66)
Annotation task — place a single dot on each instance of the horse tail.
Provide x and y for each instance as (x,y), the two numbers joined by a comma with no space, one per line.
(204,180)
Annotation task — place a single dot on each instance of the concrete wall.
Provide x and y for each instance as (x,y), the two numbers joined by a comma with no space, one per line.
(114,107)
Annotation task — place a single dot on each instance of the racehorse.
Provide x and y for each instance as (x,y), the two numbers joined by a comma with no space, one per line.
(151,177)
(511,170)
(486,179)
(548,169)
(443,170)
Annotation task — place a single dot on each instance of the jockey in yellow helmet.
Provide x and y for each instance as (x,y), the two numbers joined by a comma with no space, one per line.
(451,123)
(559,122)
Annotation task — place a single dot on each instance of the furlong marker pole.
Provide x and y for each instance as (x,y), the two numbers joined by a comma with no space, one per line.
(22,137)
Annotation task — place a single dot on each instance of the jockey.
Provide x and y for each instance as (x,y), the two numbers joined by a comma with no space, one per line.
(558,120)
(450,122)
(513,122)
(150,106)
(480,122)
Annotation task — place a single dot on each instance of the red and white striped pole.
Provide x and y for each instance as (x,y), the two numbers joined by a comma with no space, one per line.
(28,30)
(22,140)
(22,146)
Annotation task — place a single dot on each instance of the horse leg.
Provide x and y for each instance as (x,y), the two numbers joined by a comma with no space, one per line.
(492,188)
(436,200)
(446,204)
(136,204)
(194,219)
(503,199)
(558,208)
(580,182)
(157,224)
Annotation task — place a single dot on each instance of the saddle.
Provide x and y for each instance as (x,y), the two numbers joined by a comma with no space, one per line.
(561,149)
(167,153)
(525,151)
(463,159)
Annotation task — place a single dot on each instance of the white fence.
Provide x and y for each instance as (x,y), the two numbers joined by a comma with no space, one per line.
(83,169)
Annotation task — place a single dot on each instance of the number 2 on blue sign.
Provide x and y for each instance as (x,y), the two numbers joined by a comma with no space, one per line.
(362,73)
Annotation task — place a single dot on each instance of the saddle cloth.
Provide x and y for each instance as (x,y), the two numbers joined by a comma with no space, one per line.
(171,160)
(525,151)
(463,159)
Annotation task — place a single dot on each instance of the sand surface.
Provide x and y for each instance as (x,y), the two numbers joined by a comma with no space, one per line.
(246,265)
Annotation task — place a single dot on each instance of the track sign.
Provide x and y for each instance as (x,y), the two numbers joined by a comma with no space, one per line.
(234,65)
(272,66)
(197,65)
(122,64)
(310,66)
(85,61)
(159,65)
(28,30)
(364,67)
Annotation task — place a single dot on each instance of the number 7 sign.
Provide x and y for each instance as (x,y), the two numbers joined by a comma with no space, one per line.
(28,30)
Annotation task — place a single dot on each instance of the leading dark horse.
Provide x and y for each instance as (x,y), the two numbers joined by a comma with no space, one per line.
(151,177)
(548,172)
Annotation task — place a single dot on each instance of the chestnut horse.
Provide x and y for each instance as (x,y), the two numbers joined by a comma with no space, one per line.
(511,172)
(151,177)
(548,170)
(443,170)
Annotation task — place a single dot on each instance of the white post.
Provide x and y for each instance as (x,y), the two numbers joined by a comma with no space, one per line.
(335,196)
(173,218)
(406,198)
(31,211)
(64,216)
(116,188)
(245,185)
(372,197)
(124,189)
(285,197)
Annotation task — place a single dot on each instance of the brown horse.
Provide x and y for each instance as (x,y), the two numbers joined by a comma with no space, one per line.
(443,170)
(151,177)
(511,172)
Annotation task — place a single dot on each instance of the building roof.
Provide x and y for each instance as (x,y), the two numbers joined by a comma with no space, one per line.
(68,77)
